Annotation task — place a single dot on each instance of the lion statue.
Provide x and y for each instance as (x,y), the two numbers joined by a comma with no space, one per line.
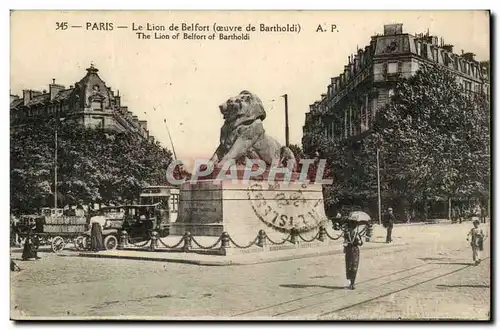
(243,136)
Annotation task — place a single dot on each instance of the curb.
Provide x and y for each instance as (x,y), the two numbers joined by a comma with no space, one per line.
(231,262)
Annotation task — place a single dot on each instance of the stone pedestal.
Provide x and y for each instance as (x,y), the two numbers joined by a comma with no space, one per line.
(242,209)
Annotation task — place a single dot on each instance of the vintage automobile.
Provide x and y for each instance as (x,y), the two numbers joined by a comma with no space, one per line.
(138,220)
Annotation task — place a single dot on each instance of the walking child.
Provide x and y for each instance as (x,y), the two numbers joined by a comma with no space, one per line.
(476,242)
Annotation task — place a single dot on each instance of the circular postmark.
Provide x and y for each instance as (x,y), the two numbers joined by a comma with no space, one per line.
(285,209)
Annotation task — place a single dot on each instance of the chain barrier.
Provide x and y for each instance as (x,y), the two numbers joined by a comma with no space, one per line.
(254,242)
(140,245)
(207,247)
(275,243)
(173,246)
(245,246)
(308,241)
(330,237)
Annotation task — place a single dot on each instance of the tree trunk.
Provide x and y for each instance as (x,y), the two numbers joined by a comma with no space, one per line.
(425,208)
(449,208)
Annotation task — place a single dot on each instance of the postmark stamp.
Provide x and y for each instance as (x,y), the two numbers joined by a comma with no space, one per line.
(284,210)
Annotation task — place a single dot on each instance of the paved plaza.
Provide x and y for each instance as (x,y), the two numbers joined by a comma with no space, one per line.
(426,274)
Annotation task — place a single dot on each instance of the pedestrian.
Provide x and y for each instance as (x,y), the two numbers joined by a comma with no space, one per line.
(30,246)
(483,214)
(461,214)
(476,212)
(14,231)
(389,224)
(97,222)
(352,242)
(476,242)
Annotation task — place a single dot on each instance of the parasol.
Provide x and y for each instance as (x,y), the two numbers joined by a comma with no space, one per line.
(359,216)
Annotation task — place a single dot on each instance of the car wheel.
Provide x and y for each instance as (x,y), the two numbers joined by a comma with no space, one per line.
(110,242)
(80,243)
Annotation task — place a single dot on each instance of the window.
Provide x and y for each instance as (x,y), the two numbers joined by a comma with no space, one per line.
(392,68)
(175,203)
(468,86)
(419,49)
(96,105)
(99,122)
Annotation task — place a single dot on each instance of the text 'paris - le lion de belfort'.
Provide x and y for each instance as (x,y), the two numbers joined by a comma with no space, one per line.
(196,31)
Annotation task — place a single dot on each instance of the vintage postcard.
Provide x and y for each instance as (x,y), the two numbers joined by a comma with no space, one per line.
(250,165)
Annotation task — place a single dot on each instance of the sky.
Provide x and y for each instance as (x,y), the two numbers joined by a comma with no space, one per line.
(186,80)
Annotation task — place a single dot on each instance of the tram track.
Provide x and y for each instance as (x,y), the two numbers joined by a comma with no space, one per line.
(366,292)
(326,292)
(397,291)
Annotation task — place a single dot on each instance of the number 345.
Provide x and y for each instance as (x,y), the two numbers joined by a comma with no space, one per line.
(61,25)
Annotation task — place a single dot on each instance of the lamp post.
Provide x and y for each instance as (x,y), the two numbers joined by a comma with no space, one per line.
(55,167)
(57,122)
(378,189)
(287,130)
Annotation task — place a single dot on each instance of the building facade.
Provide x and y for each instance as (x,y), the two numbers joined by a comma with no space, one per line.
(366,84)
(89,103)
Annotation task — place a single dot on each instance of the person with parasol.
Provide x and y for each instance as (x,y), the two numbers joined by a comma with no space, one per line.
(353,239)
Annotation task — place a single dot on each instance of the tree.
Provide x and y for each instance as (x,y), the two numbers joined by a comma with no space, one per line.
(433,137)
(94,165)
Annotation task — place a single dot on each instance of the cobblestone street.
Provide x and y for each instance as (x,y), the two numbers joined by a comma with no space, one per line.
(430,277)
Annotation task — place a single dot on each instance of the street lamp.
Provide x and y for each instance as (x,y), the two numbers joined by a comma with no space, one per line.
(57,122)
(287,129)
(378,188)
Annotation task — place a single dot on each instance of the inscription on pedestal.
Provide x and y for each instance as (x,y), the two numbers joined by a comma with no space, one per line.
(204,204)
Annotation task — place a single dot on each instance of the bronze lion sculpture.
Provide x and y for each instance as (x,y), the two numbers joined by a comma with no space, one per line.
(243,136)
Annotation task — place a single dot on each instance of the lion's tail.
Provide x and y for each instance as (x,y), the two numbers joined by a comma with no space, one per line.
(286,154)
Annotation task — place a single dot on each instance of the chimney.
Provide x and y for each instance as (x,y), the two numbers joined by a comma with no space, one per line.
(448,48)
(28,95)
(469,56)
(117,100)
(54,89)
(144,124)
(323,96)
(151,139)
(393,29)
